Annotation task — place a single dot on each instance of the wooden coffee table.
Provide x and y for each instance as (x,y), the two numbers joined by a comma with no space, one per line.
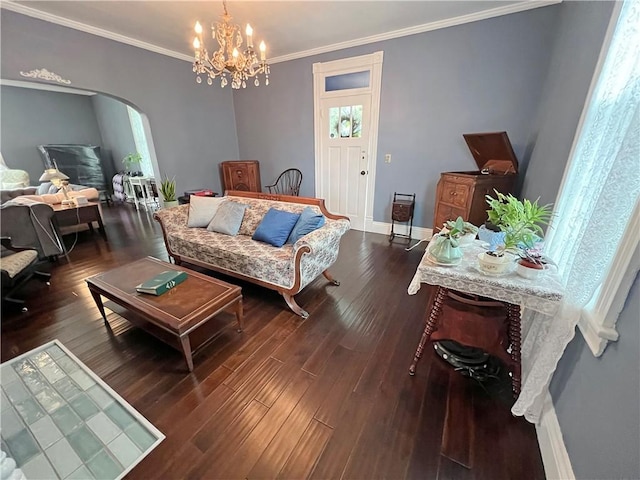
(173,316)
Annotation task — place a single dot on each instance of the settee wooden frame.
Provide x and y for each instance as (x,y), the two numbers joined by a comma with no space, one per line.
(287,293)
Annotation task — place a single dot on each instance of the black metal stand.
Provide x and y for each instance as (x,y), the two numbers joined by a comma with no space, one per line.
(402,211)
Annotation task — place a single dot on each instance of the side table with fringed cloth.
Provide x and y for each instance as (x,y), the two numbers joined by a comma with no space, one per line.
(536,344)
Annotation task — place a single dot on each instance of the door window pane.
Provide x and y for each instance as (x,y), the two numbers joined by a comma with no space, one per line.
(346,81)
(345,122)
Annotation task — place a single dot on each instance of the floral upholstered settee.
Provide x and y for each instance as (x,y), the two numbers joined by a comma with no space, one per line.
(287,269)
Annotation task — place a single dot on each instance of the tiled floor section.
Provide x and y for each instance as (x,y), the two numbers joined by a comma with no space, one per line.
(58,421)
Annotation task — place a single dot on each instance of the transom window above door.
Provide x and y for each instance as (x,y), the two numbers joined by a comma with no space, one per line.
(345,121)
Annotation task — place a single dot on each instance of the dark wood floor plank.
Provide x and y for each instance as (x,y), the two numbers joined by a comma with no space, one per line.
(245,456)
(227,414)
(303,459)
(226,443)
(336,454)
(458,422)
(275,454)
(248,407)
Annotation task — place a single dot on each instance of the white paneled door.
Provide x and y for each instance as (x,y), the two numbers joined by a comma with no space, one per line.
(344,159)
(346,108)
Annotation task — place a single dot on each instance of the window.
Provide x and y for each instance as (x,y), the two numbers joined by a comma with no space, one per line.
(345,122)
(346,81)
(595,231)
(141,141)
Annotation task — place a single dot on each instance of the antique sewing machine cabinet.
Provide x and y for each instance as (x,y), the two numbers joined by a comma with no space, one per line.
(463,193)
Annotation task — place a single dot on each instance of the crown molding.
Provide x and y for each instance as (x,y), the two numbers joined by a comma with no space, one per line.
(44,86)
(83,27)
(450,22)
(426,27)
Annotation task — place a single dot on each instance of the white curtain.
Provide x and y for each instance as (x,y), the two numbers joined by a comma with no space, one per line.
(603,180)
(597,198)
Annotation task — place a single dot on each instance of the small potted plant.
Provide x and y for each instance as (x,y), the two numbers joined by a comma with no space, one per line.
(132,164)
(168,192)
(531,261)
(469,230)
(521,221)
(445,247)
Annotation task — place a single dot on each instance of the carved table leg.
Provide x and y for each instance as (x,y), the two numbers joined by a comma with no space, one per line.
(239,314)
(98,299)
(430,326)
(186,350)
(513,314)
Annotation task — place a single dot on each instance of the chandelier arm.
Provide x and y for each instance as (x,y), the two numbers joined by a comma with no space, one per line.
(239,68)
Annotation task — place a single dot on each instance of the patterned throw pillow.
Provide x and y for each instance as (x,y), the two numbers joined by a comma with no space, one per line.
(254,214)
(275,227)
(228,218)
(202,210)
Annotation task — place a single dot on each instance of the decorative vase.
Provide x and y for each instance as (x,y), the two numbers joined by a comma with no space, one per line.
(446,250)
(173,203)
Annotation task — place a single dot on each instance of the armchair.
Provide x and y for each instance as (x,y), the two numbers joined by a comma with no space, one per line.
(17,267)
(29,224)
(287,183)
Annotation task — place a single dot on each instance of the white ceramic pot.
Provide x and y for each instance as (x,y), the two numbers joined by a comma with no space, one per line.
(166,204)
(495,265)
(466,239)
(528,272)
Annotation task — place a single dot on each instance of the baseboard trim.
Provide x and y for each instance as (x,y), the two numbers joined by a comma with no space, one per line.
(557,465)
(417,233)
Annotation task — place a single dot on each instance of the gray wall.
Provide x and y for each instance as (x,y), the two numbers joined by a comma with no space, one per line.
(576,49)
(35,117)
(597,400)
(117,137)
(479,77)
(193,127)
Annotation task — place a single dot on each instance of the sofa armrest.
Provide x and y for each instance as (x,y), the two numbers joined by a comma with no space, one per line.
(323,237)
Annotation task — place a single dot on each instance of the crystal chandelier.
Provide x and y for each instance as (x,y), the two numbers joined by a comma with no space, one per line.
(229,59)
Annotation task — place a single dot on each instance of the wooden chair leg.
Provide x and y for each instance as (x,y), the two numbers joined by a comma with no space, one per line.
(432,322)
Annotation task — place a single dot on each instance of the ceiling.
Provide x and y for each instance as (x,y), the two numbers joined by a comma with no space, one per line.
(291,29)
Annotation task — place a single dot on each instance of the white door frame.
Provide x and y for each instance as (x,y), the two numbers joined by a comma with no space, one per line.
(372,63)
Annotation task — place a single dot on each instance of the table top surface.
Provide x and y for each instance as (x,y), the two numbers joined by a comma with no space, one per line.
(185,305)
(543,294)
(57,207)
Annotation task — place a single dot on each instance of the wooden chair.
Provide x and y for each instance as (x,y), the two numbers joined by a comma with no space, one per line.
(287,183)
(17,267)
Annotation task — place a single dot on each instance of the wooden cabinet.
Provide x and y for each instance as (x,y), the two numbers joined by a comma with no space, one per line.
(463,193)
(241,175)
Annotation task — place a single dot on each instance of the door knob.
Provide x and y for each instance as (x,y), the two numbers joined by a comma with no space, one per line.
(362,172)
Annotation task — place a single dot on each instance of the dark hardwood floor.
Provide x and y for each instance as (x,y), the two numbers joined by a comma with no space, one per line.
(327,397)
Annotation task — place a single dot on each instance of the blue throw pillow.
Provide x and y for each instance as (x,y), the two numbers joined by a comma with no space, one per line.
(308,222)
(275,227)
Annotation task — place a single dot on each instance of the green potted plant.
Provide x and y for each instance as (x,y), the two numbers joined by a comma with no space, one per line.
(445,247)
(168,192)
(521,221)
(131,163)
(469,230)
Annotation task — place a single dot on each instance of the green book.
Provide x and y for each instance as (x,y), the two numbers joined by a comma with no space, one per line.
(163,282)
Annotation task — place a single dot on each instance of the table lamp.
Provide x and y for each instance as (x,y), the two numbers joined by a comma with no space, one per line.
(59,179)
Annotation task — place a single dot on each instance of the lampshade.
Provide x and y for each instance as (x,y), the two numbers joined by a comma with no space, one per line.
(51,174)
